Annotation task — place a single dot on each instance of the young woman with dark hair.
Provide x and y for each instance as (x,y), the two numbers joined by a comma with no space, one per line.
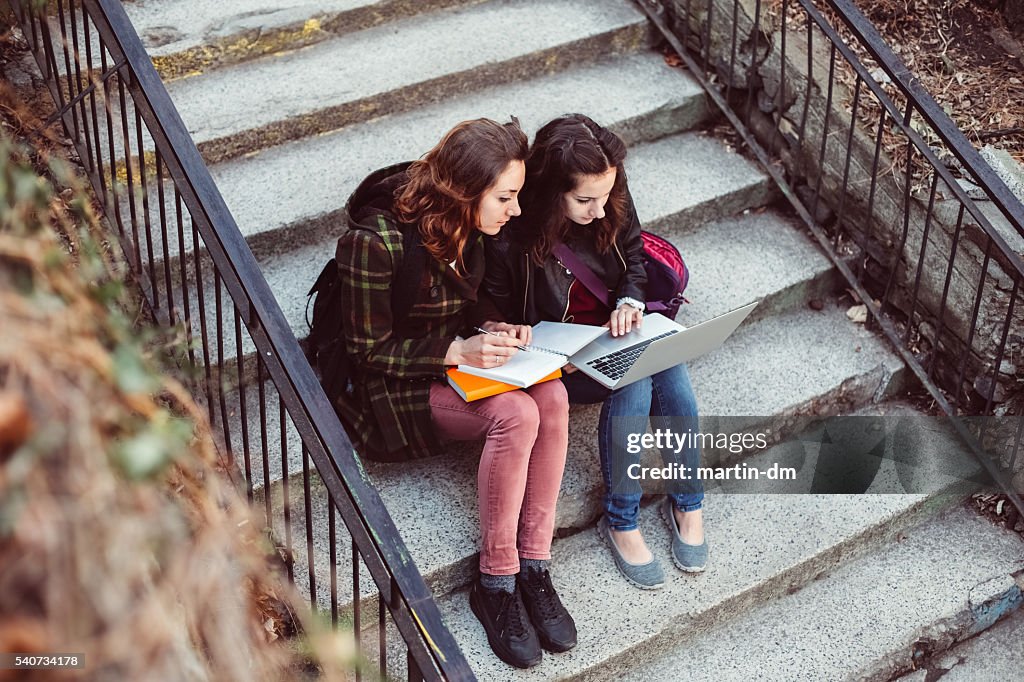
(399,404)
(576,194)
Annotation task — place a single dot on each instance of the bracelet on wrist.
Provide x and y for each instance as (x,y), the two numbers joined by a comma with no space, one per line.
(632,302)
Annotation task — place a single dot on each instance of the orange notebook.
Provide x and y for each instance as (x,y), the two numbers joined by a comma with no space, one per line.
(472,387)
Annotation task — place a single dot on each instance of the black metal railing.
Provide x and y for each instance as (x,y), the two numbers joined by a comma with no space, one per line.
(197,274)
(870,163)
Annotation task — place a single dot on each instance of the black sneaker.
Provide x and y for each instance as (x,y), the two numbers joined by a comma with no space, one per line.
(508,629)
(555,627)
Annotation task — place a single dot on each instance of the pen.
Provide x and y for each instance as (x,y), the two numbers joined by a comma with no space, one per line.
(484,331)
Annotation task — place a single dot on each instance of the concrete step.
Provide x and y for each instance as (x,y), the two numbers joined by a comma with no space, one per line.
(427,60)
(759,254)
(938,582)
(636,95)
(186,38)
(828,365)
(398,66)
(761,547)
(995,655)
(676,207)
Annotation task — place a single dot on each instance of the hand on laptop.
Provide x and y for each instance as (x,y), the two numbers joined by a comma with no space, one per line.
(624,319)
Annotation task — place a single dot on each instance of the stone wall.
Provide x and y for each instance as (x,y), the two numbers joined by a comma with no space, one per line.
(872,232)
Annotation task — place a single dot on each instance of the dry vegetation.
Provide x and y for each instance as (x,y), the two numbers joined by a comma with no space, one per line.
(120,537)
(964,56)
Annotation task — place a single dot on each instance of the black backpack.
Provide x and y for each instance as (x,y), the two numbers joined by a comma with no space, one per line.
(325,345)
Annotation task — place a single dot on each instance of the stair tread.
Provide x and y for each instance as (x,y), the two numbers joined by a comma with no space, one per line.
(298,169)
(744,258)
(170,26)
(995,655)
(386,58)
(875,606)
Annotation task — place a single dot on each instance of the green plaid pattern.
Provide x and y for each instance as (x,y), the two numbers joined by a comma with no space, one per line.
(388,411)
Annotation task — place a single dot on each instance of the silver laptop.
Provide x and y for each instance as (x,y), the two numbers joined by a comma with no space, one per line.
(659,344)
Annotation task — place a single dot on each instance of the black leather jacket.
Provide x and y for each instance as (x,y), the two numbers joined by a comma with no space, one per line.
(524,293)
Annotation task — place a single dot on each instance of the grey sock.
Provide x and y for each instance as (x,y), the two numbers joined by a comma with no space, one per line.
(505,583)
(539,564)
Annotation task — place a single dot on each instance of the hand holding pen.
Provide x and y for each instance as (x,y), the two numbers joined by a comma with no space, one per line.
(487,350)
(491,347)
(521,332)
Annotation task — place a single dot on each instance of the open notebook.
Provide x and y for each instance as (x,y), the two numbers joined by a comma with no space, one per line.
(553,343)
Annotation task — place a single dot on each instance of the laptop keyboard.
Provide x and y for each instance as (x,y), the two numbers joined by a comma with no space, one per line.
(616,364)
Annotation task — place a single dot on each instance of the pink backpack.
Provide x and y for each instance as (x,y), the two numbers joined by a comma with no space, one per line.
(667,275)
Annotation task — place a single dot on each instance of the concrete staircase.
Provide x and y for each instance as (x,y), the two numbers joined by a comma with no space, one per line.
(294,102)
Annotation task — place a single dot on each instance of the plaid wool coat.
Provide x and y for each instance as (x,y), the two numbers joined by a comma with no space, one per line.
(387,410)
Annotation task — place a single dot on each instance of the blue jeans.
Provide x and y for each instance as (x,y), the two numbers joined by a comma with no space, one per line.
(665,394)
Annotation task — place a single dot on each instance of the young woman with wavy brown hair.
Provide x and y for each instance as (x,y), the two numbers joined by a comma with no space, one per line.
(399,404)
(576,194)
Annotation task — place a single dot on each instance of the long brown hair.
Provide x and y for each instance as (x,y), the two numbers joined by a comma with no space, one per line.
(444,189)
(565,150)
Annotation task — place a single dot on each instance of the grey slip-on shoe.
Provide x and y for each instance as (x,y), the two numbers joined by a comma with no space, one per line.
(647,576)
(686,557)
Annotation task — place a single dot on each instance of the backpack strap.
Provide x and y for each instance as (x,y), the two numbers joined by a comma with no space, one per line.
(410,272)
(582,273)
(403,295)
(322,284)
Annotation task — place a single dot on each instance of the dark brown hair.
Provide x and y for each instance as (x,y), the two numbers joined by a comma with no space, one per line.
(444,189)
(565,150)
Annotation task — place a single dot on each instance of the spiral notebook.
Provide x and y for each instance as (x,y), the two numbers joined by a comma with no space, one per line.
(553,344)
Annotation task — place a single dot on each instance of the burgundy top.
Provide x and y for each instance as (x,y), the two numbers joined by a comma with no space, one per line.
(584,307)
